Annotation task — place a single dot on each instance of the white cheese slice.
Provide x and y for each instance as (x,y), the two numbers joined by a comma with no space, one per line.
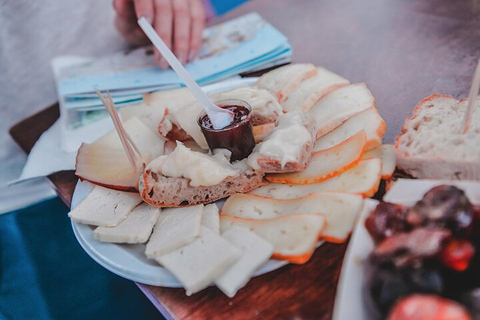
(255,252)
(211,218)
(294,237)
(105,207)
(198,263)
(175,228)
(136,228)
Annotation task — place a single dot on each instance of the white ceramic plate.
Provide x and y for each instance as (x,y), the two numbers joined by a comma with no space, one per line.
(349,302)
(129,260)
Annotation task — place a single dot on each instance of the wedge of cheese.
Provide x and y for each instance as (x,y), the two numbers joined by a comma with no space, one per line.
(283,80)
(136,228)
(309,91)
(169,98)
(339,209)
(340,105)
(254,253)
(175,228)
(368,120)
(385,152)
(363,179)
(327,163)
(105,207)
(150,115)
(104,162)
(197,264)
(211,218)
(293,237)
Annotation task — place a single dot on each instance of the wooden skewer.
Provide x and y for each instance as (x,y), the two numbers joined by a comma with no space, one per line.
(127,142)
(472,97)
(132,143)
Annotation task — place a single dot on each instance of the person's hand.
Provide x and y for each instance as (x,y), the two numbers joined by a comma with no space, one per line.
(178,22)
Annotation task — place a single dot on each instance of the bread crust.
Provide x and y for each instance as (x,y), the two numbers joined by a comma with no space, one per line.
(434,167)
(162,191)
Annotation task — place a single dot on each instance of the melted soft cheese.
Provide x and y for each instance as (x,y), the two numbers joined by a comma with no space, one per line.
(286,142)
(201,169)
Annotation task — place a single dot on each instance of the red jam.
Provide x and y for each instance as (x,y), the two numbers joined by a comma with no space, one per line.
(236,137)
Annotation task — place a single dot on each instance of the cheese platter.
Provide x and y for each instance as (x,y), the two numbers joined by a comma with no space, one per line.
(198,193)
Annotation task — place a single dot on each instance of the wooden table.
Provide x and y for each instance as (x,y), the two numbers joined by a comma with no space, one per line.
(403,49)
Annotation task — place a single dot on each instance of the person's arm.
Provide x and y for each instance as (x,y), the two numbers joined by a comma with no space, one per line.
(179,23)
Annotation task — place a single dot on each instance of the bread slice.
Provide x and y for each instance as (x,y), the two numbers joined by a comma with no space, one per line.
(265,106)
(431,145)
(326,163)
(338,106)
(311,90)
(162,191)
(362,179)
(368,120)
(288,148)
(386,153)
(293,237)
(283,80)
(339,209)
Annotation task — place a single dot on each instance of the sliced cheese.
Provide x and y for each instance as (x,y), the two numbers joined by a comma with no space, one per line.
(338,106)
(326,163)
(169,98)
(211,218)
(150,115)
(339,209)
(385,152)
(293,237)
(105,207)
(136,228)
(283,80)
(368,120)
(104,162)
(175,228)
(254,253)
(197,264)
(311,90)
(363,179)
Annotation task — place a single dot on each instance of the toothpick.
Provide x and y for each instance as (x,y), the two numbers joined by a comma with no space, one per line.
(472,97)
(127,142)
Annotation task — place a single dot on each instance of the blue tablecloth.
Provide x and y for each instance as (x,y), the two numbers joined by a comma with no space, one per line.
(45,274)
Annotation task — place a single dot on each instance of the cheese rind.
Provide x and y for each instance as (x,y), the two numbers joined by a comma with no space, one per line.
(338,106)
(175,228)
(339,209)
(211,218)
(255,252)
(197,264)
(136,228)
(293,237)
(385,152)
(326,163)
(105,207)
(309,91)
(363,179)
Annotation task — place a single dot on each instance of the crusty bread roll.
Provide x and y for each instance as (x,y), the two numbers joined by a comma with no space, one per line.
(431,145)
